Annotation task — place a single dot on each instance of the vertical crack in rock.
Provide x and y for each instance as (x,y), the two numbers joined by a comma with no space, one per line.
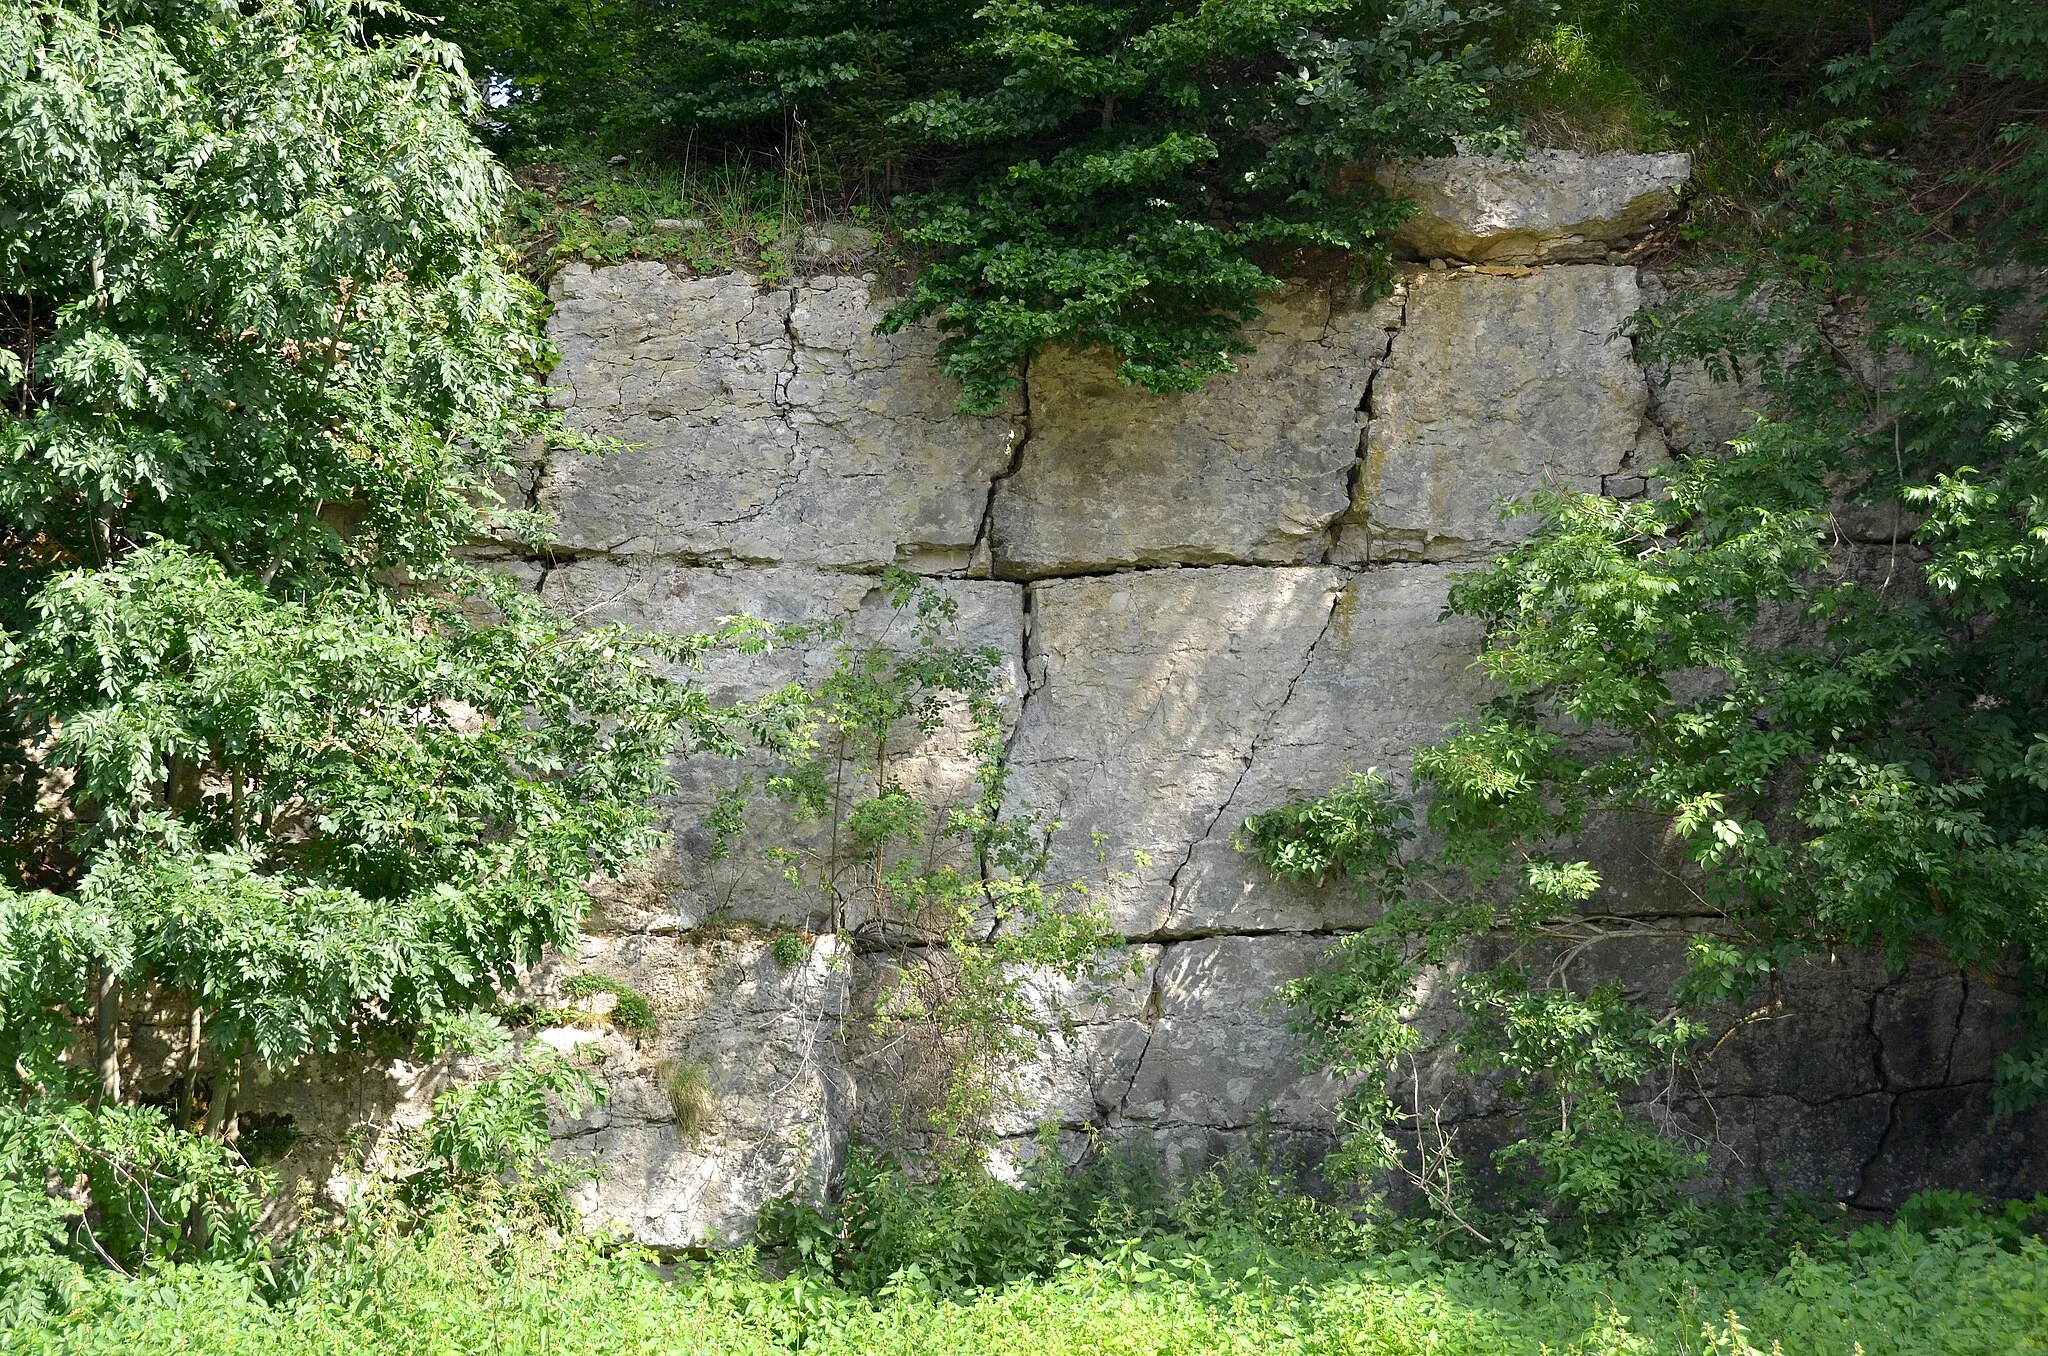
(1025,608)
(1354,478)
(1149,1015)
(1955,1035)
(981,556)
(784,409)
(1884,1084)
(1251,751)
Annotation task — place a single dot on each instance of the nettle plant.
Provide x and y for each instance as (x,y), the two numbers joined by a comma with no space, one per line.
(1817,663)
(945,887)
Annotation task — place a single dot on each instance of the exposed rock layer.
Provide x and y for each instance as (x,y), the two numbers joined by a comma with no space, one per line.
(1204,605)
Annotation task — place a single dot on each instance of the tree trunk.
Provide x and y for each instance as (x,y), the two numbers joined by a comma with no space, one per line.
(106,1032)
(188,1095)
(222,1111)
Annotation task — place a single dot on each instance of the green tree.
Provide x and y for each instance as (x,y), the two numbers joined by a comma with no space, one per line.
(271,753)
(1131,176)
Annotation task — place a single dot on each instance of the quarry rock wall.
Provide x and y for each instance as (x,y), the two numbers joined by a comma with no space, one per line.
(1205,605)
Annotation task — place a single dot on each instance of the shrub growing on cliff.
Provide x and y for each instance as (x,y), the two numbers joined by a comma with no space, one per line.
(1131,176)
(261,363)
(1815,662)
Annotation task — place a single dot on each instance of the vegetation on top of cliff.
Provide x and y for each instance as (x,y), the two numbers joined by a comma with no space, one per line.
(1126,175)
(1133,176)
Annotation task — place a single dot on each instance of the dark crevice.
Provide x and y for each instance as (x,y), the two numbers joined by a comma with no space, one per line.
(1884,1086)
(981,556)
(1149,1015)
(1354,476)
(1955,1035)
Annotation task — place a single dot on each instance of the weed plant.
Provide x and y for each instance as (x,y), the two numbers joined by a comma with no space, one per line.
(1100,1261)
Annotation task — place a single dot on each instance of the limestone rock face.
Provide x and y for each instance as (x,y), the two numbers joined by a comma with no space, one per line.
(764,1038)
(1149,693)
(1554,207)
(1355,706)
(1253,468)
(1494,387)
(1202,607)
(766,424)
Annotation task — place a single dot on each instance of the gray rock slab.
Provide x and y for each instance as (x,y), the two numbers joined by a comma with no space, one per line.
(1096,1031)
(1496,386)
(1386,676)
(768,425)
(1554,206)
(684,882)
(1219,1055)
(1149,691)
(1253,468)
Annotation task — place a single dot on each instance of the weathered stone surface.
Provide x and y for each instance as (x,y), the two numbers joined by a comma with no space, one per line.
(1363,700)
(1219,1055)
(1253,468)
(1185,1054)
(683,884)
(773,425)
(1098,1029)
(1149,692)
(790,454)
(767,1040)
(1495,387)
(1696,412)
(1554,207)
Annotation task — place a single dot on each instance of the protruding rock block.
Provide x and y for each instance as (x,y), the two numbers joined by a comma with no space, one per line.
(1554,207)
(763,1040)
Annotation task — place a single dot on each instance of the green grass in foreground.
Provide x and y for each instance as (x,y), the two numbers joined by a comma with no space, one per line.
(481,1288)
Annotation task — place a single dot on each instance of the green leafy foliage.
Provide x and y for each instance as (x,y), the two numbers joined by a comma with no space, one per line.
(276,759)
(1124,168)
(252,302)
(632,1012)
(498,1124)
(1749,1283)
(1862,763)
(951,895)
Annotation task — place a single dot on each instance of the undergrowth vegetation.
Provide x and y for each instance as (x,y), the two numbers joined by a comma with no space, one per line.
(1106,1263)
